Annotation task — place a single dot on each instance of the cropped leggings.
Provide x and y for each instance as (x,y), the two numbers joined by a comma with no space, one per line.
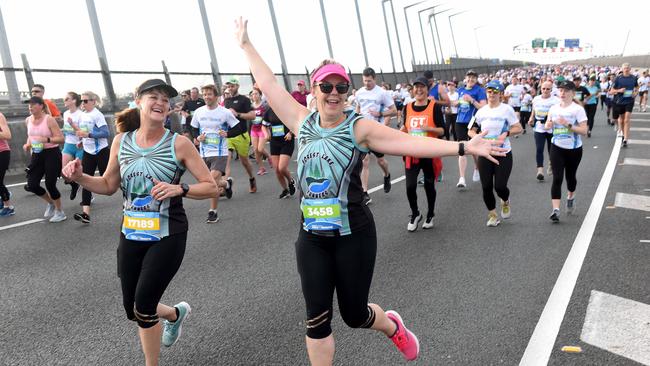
(342,263)
(4,165)
(145,270)
(90,163)
(495,178)
(541,139)
(45,163)
(564,161)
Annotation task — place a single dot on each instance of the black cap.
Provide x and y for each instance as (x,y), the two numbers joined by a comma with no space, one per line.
(34,100)
(568,85)
(421,80)
(471,72)
(157,84)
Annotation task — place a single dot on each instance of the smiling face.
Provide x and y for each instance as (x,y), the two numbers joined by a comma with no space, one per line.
(70,102)
(566,95)
(210,97)
(420,92)
(154,105)
(331,104)
(87,102)
(35,108)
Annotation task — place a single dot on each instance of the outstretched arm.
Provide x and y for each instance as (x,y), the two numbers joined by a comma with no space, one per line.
(291,112)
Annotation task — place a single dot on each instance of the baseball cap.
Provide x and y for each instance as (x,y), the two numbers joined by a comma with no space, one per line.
(300,82)
(234,81)
(34,100)
(471,72)
(157,84)
(327,70)
(495,84)
(568,85)
(421,80)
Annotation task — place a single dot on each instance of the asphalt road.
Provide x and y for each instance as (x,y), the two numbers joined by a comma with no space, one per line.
(472,294)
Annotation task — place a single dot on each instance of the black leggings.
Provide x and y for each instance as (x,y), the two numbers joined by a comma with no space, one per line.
(344,263)
(564,160)
(523,119)
(591,113)
(429,187)
(48,163)
(495,178)
(4,165)
(145,270)
(450,124)
(90,163)
(603,101)
(542,138)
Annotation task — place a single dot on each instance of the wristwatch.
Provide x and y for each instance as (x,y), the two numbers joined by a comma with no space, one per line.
(461,149)
(185,189)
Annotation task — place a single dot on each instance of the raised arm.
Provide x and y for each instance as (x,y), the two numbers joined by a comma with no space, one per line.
(108,183)
(290,112)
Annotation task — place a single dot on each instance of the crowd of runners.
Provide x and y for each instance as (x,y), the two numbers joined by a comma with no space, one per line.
(335,130)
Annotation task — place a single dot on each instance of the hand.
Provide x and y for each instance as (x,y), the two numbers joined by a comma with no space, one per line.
(485,148)
(374,113)
(163,190)
(185,114)
(548,125)
(72,171)
(223,133)
(288,136)
(234,112)
(80,133)
(241,32)
(38,139)
(201,137)
(70,120)
(502,139)
(27,147)
(531,123)
(562,121)
(468,98)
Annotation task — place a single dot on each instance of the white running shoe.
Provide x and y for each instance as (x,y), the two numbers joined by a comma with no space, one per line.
(493,220)
(413,222)
(461,183)
(49,211)
(505,209)
(58,216)
(476,177)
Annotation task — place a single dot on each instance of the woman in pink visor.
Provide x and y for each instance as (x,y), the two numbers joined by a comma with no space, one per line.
(337,245)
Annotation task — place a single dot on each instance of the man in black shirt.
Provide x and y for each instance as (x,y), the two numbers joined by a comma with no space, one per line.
(582,93)
(188,109)
(241,107)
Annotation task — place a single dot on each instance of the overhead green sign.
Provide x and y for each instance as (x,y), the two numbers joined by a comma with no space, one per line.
(552,43)
(538,43)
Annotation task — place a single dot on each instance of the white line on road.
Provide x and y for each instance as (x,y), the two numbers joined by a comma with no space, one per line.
(640,129)
(540,346)
(375,189)
(632,201)
(20,184)
(28,222)
(634,161)
(643,240)
(638,142)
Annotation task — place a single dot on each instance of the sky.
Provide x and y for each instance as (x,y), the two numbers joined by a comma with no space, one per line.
(138,34)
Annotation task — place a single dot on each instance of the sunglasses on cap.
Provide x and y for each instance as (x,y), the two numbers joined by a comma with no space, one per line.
(327,88)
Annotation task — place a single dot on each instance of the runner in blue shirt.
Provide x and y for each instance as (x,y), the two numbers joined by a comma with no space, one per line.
(625,89)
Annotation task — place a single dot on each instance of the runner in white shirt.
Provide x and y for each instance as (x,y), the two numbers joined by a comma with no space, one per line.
(72,148)
(541,105)
(644,84)
(514,92)
(374,103)
(210,125)
(451,111)
(500,121)
(568,121)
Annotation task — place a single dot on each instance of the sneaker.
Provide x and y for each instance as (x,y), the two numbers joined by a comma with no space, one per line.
(75,189)
(262,171)
(428,223)
(387,184)
(292,187)
(421,180)
(229,188)
(461,183)
(405,341)
(253,185)
(172,331)
(540,176)
(549,170)
(589,133)
(476,177)
(624,143)
(505,209)
(413,223)
(493,220)
(83,217)
(58,216)
(285,193)
(555,215)
(49,211)
(440,178)
(570,205)
(7,211)
(366,199)
(212,217)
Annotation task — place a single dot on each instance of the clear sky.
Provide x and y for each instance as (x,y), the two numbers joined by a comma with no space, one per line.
(139,34)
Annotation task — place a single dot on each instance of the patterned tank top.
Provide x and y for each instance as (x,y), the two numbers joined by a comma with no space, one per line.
(147,219)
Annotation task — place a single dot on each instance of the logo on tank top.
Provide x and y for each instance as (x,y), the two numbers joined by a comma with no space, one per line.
(139,194)
(317,183)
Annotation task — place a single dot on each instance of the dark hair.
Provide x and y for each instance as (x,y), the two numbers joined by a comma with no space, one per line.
(38,86)
(127,120)
(369,72)
(428,74)
(258,90)
(76,97)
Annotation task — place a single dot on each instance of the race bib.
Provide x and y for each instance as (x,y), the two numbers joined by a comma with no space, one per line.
(321,214)
(417,132)
(141,226)
(212,139)
(84,127)
(277,131)
(37,147)
(627,93)
(67,129)
(257,120)
(561,131)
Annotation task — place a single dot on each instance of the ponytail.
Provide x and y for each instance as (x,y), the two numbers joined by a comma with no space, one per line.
(127,120)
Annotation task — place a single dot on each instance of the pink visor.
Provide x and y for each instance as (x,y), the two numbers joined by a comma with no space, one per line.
(327,70)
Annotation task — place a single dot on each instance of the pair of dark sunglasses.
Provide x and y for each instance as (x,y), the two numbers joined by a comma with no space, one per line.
(87,100)
(327,88)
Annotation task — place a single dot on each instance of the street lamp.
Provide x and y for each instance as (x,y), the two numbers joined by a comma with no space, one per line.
(327,33)
(435,24)
(390,46)
(422,33)
(408,30)
(399,44)
(363,40)
(452,30)
(478,47)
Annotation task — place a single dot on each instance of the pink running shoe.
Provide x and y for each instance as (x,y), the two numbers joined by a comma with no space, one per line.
(262,171)
(404,339)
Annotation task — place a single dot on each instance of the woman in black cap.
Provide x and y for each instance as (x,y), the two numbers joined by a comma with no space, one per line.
(147,162)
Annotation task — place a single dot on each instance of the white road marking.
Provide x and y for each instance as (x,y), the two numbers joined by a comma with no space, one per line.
(540,346)
(19,224)
(632,201)
(640,129)
(618,325)
(638,142)
(634,161)
(375,189)
(645,241)
(20,184)
(639,120)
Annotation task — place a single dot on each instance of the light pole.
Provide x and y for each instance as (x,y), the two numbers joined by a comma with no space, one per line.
(435,24)
(478,47)
(408,30)
(390,46)
(327,32)
(399,44)
(452,30)
(422,33)
(283,63)
(363,40)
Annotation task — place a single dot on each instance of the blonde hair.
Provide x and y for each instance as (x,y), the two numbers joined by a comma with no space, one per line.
(95,97)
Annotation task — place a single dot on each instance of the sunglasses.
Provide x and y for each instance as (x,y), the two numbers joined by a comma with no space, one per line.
(87,100)
(547,89)
(36,91)
(327,88)
(492,90)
